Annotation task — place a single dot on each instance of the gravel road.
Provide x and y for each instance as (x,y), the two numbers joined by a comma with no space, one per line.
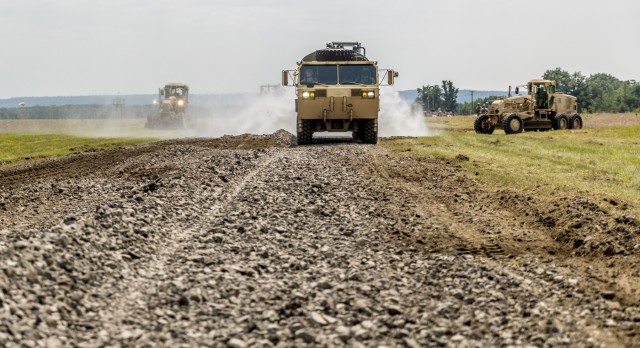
(248,242)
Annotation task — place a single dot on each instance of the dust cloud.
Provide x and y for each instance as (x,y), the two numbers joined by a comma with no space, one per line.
(258,114)
(398,119)
(224,115)
(267,113)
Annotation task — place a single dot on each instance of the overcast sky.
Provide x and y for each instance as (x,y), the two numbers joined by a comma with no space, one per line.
(80,47)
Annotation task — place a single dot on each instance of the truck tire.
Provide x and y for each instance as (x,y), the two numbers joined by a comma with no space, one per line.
(357,135)
(575,122)
(483,125)
(513,124)
(333,55)
(369,134)
(560,122)
(305,136)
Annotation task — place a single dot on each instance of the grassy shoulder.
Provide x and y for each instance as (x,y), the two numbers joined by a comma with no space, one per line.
(16,148)
(601,161)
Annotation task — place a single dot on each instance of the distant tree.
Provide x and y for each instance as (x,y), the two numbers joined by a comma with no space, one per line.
(563,79)
(84,111)
(601,90)
(429,97)
(568,83)
(449,95)
(632,95)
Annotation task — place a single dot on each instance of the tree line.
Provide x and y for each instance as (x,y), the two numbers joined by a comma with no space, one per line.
(92,111)
(435,97)
(73,112)
(596,93)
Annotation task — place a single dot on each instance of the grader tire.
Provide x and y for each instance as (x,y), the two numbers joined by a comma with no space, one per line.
(575,122)
(482,125)
(560,122)
(513,124)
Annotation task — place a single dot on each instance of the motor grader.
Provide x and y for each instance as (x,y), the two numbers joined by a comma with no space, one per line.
(541,108)
(171,113)
(338,90)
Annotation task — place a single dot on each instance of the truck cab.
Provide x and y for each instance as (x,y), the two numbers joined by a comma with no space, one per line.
(337,90)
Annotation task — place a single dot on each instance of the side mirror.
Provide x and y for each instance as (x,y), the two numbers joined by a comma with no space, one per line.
(390,77)
(161,91)
(517,90)
(285,77)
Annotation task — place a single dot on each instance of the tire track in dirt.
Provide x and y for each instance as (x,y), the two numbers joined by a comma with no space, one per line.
(447,229)
(134,294)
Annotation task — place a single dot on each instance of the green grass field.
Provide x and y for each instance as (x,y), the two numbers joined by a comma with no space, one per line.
(25,140)
(17,148)
(600,160)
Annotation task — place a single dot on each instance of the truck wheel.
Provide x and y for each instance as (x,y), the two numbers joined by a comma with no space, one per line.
(305,136)
(513,124)
(483,125)
(575,122)
(369,135)
(358,135)
(560,122)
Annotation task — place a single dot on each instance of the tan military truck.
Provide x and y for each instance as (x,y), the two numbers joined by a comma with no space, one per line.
(173,101)
(541,108)
(338,90)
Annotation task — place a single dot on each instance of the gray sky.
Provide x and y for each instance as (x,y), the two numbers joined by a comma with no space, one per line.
(80,47)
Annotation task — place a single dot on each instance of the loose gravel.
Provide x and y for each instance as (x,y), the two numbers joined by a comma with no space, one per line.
(272,246)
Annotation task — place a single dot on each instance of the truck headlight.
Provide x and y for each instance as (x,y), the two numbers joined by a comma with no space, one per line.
(309,95)
(368,95)
(180,102)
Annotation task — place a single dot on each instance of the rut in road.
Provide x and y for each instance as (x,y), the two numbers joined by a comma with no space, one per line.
(132,300)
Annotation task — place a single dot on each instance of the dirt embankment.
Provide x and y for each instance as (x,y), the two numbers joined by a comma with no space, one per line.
(245,241)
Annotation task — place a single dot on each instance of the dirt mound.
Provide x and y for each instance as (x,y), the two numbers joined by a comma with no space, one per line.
(280,138)
(589,230)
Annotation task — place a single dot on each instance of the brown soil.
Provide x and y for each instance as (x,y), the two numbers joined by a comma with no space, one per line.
(571,231)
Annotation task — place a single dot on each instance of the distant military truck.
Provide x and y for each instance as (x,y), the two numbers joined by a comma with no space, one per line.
(338,90)
(541,108)
(172,111)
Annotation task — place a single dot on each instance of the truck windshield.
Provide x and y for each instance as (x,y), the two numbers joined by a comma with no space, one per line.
(357,74)
(175,91)
(324,74)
